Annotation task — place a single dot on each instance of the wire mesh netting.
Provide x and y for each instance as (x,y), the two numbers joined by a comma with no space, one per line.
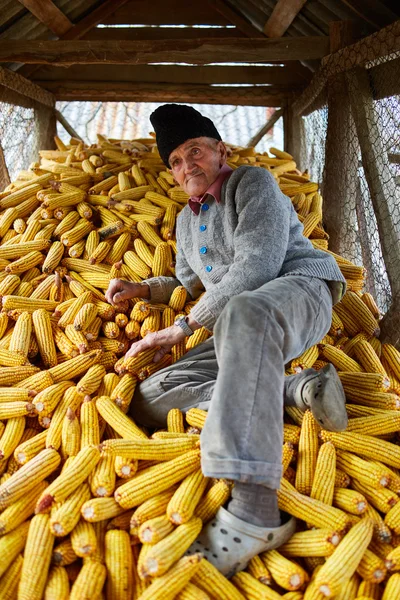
(130,120)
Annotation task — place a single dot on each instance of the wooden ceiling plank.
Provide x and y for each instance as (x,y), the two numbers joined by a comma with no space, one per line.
(282,16)
(236,19)
(173,12)
(49,14)
(373,12)
(288,76)
(196,51)
(159,33)
(94,18)
(134,92)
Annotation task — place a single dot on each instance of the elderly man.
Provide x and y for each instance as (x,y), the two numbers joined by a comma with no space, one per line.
(268,297)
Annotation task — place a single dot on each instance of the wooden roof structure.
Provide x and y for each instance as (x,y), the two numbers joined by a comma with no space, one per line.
(252,52)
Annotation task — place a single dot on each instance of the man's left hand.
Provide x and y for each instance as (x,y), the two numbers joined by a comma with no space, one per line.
(165,338)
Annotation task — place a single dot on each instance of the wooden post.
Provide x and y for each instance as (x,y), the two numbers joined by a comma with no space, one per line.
(4,175)
(383,192)
(340,172)
(46,119)
(265,128)
(293,134)
(68,128)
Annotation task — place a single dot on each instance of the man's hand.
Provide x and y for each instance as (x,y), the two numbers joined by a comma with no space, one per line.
(165,338)
(119,290)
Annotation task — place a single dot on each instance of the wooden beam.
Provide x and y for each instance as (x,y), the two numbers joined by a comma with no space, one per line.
(136,92)
(27,88)
(68,128)
(282,17)
(265,128)
(287,76)
(236,19)
(189,51)
(48,13)
(385,79)
(4,174)
(376,13)
(161,33)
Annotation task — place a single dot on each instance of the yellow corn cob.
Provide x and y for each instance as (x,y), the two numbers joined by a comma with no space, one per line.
(312,511)
(66,516)
(341,565)
(308,451)
(169,585)
(178,298)
(369,590)
(46,401)
(75,366)
(89,582)
(392,357)
(365,381)
(363,470)
(192,592)
(100,509)
(382,498)
(137,265)
(199,336)
(10,359)
(291,433)
(175,421)
(121,320)
(85,316)
(71,434)
(252,588)
(162,259)
(13,410)
(156,529)
(92,331)
(119,562)
(64,344)
(24,247)
(83,539)
(26,262)
(89,419)
(156,479)
(215,497)
(37,557)
(140,311)
(377,346)
(74,235)
(16,394)
(12,435)
(340,359)
(10,580)
(110,381)
(66,483)
(57,585)
(53,258)
(257,569)
(367,446)
(368,358)
(315,542)
(77,249)
(375,424)
(211,581)
(155,449)
(324,477)
(380,400)
(20,339)
(125,468)
(26,304)
(183,503)
(110,329)
(161,556)
(103,477)
(350,501)
(91,381)
(67,317)
(123,392)
(286,573)
(43,332)
(168,223)
(9,284)
(196,417)
(372,567)
(143,251)
(13,516)
(151,508)
(64,554)
(14,375)
(100,252)
(361,313)
(11,545)
(122,424)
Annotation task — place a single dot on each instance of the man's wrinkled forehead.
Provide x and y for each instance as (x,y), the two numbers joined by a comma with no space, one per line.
(200,141)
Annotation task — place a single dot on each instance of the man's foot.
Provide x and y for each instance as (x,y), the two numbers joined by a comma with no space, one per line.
(229,543)
(322,393)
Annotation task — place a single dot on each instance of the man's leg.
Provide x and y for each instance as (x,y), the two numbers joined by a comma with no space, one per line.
(188,383)
(256,335)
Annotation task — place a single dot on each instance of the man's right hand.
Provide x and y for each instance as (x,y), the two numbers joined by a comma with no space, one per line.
(119,290)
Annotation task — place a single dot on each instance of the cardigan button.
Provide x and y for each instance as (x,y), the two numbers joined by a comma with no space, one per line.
(203,227)
(208,268)
(203,250)
(205,207)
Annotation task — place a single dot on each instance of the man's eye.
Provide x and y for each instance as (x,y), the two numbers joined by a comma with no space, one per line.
(195,150)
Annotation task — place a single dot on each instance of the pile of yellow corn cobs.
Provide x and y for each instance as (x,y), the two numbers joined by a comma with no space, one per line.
(92,506)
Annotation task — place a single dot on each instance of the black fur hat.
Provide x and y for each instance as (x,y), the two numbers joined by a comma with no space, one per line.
(174,124)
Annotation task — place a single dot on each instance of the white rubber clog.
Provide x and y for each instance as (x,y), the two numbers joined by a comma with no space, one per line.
(230,543)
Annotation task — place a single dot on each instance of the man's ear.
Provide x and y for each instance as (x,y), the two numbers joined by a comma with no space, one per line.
(221,149)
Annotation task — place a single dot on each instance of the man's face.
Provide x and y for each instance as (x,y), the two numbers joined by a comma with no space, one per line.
(196,164)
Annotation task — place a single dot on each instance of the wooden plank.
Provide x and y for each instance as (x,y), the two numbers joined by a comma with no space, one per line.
(282,17)
(236,19)
(173,12)
(265,128)
(160,33)
(67,126)
(143,52)
(376,13)
(4,174)
(48,13)
(288,76)
(136,92)
(27,88)
(385,80)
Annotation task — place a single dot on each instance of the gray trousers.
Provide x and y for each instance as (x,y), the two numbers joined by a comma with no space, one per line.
(238,376)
